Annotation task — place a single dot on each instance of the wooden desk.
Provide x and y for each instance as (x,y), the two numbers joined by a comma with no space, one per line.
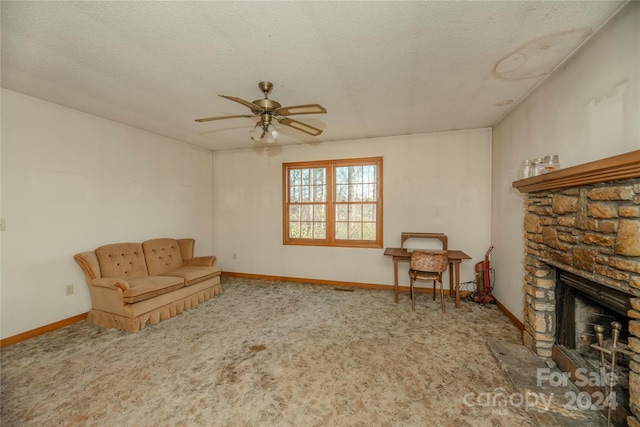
(455,258)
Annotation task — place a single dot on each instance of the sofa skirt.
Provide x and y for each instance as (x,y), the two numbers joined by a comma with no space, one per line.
(162,310)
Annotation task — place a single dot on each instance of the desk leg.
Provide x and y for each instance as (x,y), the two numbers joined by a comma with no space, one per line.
(451,280)
(395,279)
(457,285)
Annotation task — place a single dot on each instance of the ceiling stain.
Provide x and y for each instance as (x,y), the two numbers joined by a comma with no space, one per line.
(538,57)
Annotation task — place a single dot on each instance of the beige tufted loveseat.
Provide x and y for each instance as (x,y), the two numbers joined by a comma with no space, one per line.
(132,284)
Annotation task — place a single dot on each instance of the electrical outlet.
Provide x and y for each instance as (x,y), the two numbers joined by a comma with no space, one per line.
(69,289)
(234,255)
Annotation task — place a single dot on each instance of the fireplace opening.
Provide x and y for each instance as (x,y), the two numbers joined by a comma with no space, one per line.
(581,304)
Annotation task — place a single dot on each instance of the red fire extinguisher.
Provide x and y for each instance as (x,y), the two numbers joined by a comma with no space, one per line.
(483,280)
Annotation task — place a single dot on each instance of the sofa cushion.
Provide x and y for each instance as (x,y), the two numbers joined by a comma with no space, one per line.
(163,255)
(122,260)
(147,287)
(193,275)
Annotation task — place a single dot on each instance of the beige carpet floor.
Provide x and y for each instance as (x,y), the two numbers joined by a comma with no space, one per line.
(269,354)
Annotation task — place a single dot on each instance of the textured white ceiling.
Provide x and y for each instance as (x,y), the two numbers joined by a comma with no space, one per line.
(380,68)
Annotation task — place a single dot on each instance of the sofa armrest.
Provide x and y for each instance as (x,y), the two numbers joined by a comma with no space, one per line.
(88,261)
(107,295)
(200,261)
(110,282)
(186,248)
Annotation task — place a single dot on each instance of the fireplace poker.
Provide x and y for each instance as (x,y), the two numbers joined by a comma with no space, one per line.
(600,337)
(615,334)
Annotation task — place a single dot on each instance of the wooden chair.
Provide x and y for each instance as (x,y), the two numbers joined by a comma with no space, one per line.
(426,266)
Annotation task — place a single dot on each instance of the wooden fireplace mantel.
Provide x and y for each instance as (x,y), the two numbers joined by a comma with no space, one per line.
(623,166)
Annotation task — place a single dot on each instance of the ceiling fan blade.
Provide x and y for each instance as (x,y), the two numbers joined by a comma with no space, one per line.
(210,119)
(300,109)
(314,131)
(250,105)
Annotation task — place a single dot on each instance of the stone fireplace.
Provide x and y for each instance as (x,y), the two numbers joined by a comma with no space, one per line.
(582,266)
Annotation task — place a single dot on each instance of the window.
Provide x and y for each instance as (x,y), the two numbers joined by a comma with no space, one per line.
(333,203)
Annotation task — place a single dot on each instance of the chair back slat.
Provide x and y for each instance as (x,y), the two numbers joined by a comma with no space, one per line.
(431,261)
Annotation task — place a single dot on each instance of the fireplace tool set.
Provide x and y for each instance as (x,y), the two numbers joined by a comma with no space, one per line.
(613,351)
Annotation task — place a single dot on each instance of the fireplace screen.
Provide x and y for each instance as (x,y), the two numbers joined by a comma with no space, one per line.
(581,305)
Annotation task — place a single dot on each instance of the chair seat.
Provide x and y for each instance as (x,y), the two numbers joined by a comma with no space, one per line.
(424,275)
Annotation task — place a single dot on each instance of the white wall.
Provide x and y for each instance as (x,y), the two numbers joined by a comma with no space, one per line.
(72,182)
(432,183)
(587,110)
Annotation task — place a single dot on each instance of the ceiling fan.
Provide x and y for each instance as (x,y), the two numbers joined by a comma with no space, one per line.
(268,110)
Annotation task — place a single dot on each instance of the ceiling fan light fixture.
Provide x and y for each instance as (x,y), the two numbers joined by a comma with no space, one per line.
(257,132)
(272,134)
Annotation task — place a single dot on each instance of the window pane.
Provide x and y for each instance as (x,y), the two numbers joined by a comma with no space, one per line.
(342,212)
(294,212)
(342,175)
(342,193)
(306,212)
(306,230)
(368,231)
(319,176)
(294,194)
(319,230)
(306,177)
(355,213)
(369,192)
(369,212)
(342,231)
(355,192)
(369,174)
(355,231)
(355,174)
(294,177)
(319,193)
(305,195)
(319,213)
(294,230)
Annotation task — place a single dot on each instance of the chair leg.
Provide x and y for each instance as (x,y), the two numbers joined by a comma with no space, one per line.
(434,290)
(442,296)
(413,298)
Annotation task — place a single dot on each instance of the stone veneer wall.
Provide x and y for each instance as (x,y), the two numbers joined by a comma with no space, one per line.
(594,232)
